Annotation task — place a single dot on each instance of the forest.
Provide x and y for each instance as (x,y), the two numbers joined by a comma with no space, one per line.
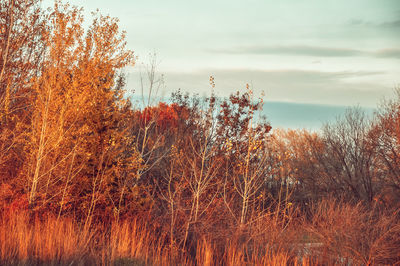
(88,178)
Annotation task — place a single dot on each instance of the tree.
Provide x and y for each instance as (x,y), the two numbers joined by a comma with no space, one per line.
(22,28)
(348,160)
(245,161)
(385,136)
(78,148)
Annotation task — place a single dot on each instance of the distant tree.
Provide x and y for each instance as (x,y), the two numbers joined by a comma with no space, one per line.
(294,169)
(347,159)
(385,136)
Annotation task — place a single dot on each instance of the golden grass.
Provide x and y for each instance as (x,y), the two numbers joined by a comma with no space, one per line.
(344,233)
(242,255)
(63,241)
(46,240)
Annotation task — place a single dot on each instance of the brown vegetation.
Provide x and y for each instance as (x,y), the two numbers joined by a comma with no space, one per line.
(86,178)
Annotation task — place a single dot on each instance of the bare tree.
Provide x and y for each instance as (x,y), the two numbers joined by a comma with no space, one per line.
(385,136)
(349,159)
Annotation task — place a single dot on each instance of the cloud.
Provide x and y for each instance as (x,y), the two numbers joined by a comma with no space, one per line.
(314,51)
(291,85)
(390,24)
(358,22)
(388,53)
(295,50)
(366,23)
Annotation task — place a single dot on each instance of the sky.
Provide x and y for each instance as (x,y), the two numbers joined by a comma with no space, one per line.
(308,52)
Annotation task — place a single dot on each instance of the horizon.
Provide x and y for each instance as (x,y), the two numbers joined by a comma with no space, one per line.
(330,53)
(286,115)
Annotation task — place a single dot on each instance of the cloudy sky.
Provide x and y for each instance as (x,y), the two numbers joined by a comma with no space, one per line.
(332,52)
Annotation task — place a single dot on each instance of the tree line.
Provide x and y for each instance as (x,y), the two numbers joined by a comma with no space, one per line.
(73,145)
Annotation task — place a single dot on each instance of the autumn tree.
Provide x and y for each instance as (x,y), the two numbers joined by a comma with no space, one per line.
(385,136)
(77,147)
(349,157)
(340,161)
(22,28)
(245,165)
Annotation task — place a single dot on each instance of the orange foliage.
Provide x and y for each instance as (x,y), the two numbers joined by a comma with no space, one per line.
(79,167)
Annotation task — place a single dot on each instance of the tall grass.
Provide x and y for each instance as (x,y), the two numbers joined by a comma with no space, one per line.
(336,233)
(63,242)
(47,240)
(355,234)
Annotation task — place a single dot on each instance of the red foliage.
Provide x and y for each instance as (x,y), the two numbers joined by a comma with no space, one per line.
(166,116)
(12,201)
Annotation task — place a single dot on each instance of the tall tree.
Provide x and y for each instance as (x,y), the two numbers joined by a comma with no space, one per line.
(22,44)
(78,142)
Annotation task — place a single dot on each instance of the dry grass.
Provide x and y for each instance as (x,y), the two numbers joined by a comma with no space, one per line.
(48,241)
(205,253)
(355,234)
(64,242)
(243,255)
(51,241)
(345,234)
